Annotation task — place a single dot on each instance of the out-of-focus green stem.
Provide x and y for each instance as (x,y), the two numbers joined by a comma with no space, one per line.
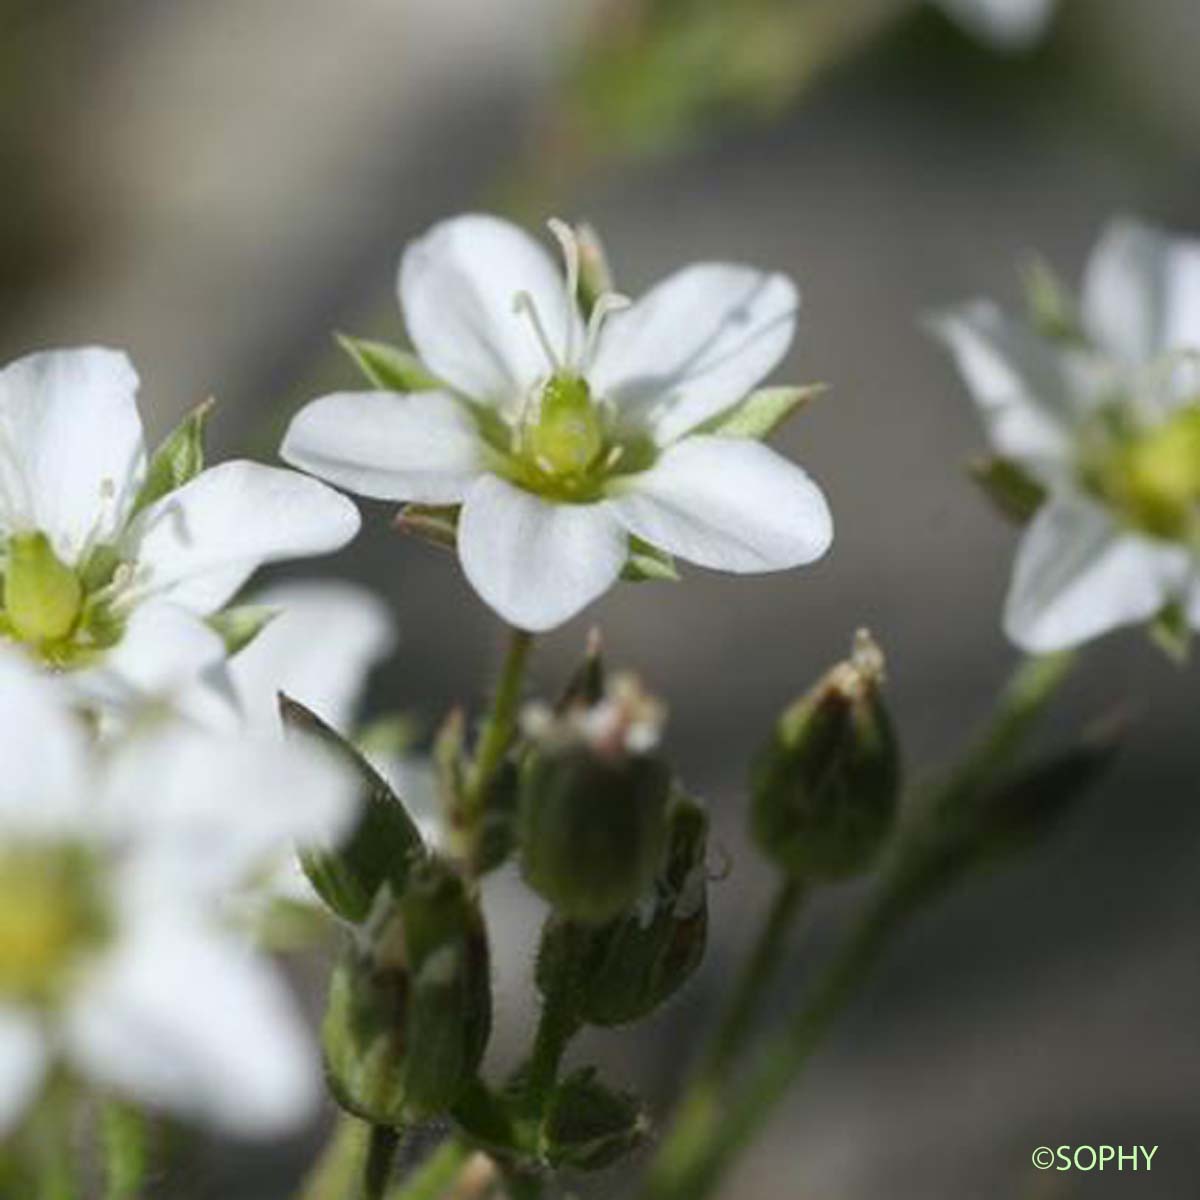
(382,1144)
(340,1167)
(756,976)
(124,1134)
(557,1025)
(501,723)
(712,1129)
(434,1178)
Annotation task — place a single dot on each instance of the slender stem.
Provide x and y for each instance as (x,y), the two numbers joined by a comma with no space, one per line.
(712,1130)
(53,1154)
(124,1134)
(440,1171)
(336,1173)
(758,972)
(381,1157)
(501,723)
(557,1025)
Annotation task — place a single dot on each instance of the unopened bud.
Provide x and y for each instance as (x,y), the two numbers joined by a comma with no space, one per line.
(42,595)
(410,1005)
(626,969)
(826,786)
(589,1126)
(593,802)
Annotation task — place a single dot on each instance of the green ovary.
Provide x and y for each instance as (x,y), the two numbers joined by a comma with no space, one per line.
(566,439)
(51,914)
(1152,478)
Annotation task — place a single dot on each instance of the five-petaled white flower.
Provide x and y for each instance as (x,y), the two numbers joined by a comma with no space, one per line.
(561,438)
(90,534)
(1106,419)
(114,860)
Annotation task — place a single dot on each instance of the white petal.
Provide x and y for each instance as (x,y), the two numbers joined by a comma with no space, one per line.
(182,1019)
(22,1065)
(1031,394)
(730,504)
(537,563)
(71,451)
(166,656)
(43,751)
(1008,24)
(197,545)
(423,447)
(695,344)
(1078,575)
(223,806)
(318,650)
(457,287)
(1141,294)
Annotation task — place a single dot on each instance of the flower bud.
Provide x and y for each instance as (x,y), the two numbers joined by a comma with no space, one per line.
(626,969)
(42,595)
(826,786)
(593,802)
(589,1126)
(410,1004)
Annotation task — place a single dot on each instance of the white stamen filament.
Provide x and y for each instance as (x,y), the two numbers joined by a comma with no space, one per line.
(606,304)
(570,249)
(524,305)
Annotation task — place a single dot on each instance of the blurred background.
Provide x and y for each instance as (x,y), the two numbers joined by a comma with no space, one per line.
(217,185)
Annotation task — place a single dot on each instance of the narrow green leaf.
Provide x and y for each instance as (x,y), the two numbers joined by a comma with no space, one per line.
(762,412)
(648,563)
(178,459)
(383,846)
(240,625)
(1014,492)
(389,367)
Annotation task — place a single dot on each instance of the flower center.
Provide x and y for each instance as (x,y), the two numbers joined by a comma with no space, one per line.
(566,436)
(1152,477)
(57,611)
(51,914)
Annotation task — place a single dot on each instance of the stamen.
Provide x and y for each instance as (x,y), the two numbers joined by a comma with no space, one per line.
(570,249)
(523,304)
(606,304)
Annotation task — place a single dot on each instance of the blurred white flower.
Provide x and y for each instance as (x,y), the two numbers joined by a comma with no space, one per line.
(560,441)
(85,545)
(113,859)
(1009,24)
(1107,421)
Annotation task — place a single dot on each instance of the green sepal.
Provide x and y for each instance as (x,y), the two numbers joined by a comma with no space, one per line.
(435,524)
(1050,305)
(762,412)
(179,459)
(647,563)
(1011,489)
(1171,632)
(588,1125)
(388,367)
(384,845)
(240,625)
(491,1122)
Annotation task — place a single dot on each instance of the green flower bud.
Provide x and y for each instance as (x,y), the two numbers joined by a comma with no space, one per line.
(593,803)
(589,1126)
(409,1009)
(826,786)
(626,969)
(42,595)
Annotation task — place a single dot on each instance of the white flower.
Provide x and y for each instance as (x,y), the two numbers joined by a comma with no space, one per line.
(1009,24)
(560,441)
(85,545)
(113,859)
(1108,423)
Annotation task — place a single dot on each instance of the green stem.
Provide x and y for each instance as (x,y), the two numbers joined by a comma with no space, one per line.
(711,1130)
(124,1134)
(381,1157)
(759,969)
(53,1153)
(501,724)
(557,1025)
(336,1173)
(436,1175)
